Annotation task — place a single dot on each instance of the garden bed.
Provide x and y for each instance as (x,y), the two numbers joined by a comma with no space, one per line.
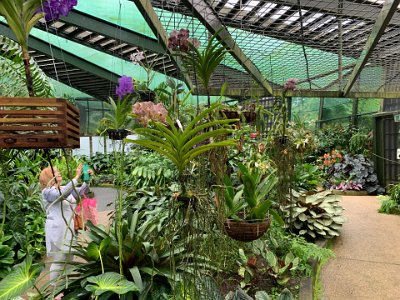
(350,193)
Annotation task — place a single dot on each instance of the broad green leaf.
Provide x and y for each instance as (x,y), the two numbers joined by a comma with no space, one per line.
(20,279)
(110,282)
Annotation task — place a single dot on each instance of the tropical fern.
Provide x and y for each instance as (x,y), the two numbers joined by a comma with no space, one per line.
(12,81)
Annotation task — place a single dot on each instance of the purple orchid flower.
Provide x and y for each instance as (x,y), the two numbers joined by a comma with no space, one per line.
(53,9)
(125,86)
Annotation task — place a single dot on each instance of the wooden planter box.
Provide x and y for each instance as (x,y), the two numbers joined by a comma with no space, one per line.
(38,123)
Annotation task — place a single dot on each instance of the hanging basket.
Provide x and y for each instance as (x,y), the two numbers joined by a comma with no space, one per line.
(250,116)
(246,231)
(117,134)
(38,123)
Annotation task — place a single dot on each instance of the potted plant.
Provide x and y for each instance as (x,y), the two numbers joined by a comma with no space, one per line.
(183,145)
(248,210)
(117,120)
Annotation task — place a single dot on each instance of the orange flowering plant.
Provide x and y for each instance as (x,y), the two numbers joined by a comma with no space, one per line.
(329,159)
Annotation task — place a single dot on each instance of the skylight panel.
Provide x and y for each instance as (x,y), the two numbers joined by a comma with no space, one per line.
(265,9)
(313,18)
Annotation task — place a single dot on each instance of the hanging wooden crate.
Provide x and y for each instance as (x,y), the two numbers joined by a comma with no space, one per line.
(38,123)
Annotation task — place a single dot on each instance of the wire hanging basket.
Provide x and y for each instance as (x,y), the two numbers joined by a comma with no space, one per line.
(248,230)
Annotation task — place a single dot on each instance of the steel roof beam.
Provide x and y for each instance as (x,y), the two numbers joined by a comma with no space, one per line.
(351,9)
(380,25)
(238,93)
(154,22)
(205,13)
(102,27)
(63,56)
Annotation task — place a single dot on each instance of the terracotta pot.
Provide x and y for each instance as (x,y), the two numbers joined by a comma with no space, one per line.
(246,231)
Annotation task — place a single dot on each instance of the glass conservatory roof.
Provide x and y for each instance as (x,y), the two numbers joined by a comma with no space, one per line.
(335,48)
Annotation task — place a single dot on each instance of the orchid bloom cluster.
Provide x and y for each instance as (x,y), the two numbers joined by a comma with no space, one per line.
(53,9)
(179,40)
(137,58)
(125,86)
(146,111)
(290,84)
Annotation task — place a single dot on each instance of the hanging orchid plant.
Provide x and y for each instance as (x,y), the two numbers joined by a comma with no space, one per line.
(125,86)
(22,16)
(180,41)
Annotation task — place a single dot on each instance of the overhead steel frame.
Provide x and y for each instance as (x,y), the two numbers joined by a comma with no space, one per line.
(204,12)
(384,17)
(151,17)
(64,56)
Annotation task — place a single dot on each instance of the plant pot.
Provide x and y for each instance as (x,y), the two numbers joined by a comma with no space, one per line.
(186,201)
(246,231)
(146,96)
(250,116)
(117,134)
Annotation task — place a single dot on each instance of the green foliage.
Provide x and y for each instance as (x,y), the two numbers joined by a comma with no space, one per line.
(204,62)
(21,213)
(6,256)
(21,16)
(148,169)
(390,204)
(118,116)
(109,282)
(333,137)
(282,242)
(239,294)
(318,215)
(183,146)
(306,177)
(279,268)
(153,256)
(20,279)
(12,81)
(360,143)
(251,199)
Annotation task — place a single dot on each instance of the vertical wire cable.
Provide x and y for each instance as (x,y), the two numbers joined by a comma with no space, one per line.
(302,42)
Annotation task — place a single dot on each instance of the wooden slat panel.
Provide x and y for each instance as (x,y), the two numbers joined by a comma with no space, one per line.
(30,112)
(29,102)
(74,122)
(30,120)
(73,129)
(30,136)
(33,128)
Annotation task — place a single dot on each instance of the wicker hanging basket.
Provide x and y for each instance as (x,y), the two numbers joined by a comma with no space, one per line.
(246,231)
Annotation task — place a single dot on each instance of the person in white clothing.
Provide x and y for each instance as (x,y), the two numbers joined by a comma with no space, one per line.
(59,202)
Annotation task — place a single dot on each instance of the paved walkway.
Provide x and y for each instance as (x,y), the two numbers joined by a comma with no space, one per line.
(367,263)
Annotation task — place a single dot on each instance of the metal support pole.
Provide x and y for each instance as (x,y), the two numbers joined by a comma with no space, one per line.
(354,121)
(321,112)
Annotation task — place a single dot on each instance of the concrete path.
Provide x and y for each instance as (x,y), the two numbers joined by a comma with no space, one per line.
(367,263)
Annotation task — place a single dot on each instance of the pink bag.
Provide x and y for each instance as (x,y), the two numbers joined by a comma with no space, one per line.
(89,210)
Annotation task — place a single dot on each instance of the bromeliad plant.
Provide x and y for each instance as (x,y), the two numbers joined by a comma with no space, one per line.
(155,258)
(184,145)
(250,201)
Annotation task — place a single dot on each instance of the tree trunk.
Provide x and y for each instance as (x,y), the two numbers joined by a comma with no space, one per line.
(28,75)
